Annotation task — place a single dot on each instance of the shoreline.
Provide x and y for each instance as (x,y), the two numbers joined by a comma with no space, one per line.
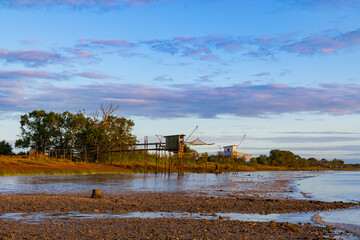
(159,228)
(354,229)
(26,165)
(159,202)
(268,196)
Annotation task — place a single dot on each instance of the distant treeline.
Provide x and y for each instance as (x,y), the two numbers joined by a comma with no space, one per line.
(288,159)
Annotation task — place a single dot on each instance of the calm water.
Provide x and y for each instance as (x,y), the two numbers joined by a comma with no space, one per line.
(288,217)
(336,186)
(333,186)
(210,183)
(109,182)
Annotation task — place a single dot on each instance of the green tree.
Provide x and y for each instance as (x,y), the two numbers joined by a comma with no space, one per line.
(324,163)
(282,158)
(187,149)
(337,163)
(45,131)
(71,126)
(5,148)
(107,131)
(38,130)
(313,162)
(302,161)
(262,159)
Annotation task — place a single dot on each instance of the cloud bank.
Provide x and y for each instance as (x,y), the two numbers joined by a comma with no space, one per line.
(31,58)
(19,75)
(185,100)
(213,48)
(206,48)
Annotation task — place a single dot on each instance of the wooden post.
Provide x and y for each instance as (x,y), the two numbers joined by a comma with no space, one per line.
(96,193)
(132,157)
(156,159)
(165,158)
(97,153)
(170,163)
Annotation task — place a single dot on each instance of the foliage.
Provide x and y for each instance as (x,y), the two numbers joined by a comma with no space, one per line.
(43,131)
(38,130)
(288,159)
(187,149)
(5,148)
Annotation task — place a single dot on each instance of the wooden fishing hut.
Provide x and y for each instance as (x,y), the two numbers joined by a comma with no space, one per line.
(175,144)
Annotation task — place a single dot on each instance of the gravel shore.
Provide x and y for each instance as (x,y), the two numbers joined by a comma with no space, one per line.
(161,228)
(159,202)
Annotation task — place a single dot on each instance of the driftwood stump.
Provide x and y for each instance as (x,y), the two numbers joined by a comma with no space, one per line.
(96,193)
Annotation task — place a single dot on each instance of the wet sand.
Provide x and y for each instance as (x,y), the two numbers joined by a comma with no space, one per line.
(162,228)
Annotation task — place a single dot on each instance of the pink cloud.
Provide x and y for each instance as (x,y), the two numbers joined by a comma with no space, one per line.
(93,75)
(163,78)
(109,42)
(32,58)
(191,100)
(30,74)
(324,44)
(25,74)
(82,53)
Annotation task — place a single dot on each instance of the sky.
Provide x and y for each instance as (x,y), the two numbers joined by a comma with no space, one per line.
(284,72)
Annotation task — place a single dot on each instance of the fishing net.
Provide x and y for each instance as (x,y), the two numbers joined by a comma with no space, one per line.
(199,142)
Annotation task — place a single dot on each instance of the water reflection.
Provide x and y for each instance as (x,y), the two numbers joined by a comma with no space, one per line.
(226,182)
(107,182)
(288,217)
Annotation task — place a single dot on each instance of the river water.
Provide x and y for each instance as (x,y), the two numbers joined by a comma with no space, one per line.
(252,182)
(335,186)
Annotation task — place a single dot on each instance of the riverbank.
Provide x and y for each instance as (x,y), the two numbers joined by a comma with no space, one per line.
(51,207)
(158,202)
(27,165)
(159,228)
(162,228)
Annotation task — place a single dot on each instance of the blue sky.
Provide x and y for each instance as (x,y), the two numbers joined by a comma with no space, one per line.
(285,73)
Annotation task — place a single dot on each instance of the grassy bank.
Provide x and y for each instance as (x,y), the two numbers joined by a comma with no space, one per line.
(26,165)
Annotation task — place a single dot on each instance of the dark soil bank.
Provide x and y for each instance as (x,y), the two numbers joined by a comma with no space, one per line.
(135,228)
(159,202)
(161,228)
